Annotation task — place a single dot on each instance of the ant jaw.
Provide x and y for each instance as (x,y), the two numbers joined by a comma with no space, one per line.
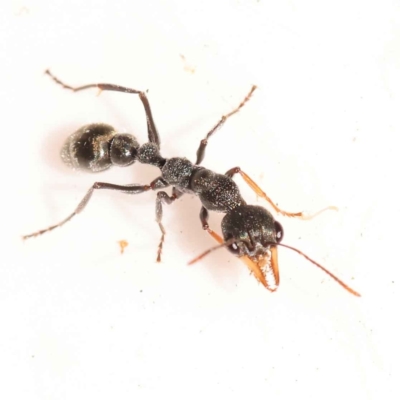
(272,270)
(265,268)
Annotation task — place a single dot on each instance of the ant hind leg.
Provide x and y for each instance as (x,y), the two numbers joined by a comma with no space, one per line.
(151,126)
(129,189)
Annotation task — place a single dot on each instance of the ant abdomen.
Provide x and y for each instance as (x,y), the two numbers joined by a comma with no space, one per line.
(97,147)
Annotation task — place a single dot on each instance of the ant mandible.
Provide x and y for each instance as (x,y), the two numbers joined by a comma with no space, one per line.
(249,232)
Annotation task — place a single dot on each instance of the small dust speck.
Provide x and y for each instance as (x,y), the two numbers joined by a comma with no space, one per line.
(188,68)
(122,245)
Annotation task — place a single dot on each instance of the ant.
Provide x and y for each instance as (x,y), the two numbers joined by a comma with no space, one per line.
(250,232)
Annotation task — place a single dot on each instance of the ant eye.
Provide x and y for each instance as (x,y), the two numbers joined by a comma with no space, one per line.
(279,231)
(234,248)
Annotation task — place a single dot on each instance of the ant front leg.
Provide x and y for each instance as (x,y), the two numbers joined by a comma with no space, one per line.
(203,144)
(151,127)
(204,222)
(262,194)
(129,189)
(164,197)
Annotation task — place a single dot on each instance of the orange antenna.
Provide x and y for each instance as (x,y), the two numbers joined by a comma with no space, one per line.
(334,277)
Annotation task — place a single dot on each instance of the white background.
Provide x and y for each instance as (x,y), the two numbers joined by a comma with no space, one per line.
(81,321)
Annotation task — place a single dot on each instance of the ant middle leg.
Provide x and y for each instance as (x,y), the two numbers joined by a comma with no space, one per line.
(151,127)
(261,193)
(129,189)
(203,144)
(163,197)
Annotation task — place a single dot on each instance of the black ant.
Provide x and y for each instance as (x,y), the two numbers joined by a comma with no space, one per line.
(249,232)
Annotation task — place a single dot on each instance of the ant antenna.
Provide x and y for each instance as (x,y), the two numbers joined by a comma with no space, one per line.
(231,241)
(210,250)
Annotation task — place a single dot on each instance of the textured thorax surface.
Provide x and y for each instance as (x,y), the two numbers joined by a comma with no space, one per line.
(178,171)
(217,192)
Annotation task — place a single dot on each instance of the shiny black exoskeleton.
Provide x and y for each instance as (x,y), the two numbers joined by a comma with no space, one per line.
(249,231)
(97,147)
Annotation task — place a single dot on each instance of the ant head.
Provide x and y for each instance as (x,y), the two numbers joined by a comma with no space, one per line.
(253,228)
(253,231)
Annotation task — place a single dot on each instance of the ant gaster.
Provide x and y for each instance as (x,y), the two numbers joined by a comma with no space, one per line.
(250,232)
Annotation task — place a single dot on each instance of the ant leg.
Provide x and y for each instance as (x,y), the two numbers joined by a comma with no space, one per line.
(164,197)
(206,227)
(151,127)
(129,189)
(262,194)
(203,144)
